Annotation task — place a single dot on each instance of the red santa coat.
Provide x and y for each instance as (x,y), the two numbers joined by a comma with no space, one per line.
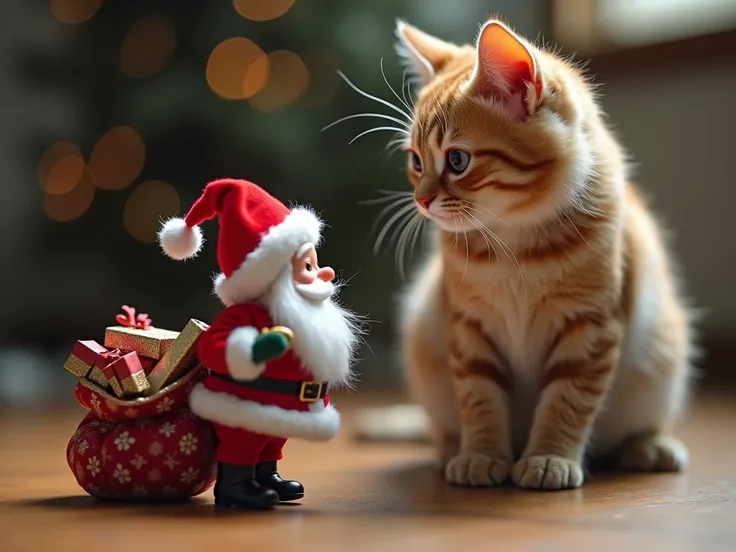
(238,406)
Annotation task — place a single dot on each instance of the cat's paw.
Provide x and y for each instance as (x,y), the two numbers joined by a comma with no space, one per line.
(477,470)
(653,453)
(548,472)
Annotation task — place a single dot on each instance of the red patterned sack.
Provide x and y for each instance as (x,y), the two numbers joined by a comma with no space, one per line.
(147,448)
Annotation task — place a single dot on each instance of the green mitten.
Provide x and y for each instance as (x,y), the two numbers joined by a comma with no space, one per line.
(269,346)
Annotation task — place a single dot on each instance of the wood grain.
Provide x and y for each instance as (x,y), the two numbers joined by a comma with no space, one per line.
(376,497)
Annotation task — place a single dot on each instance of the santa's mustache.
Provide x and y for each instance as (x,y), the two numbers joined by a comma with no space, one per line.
(319,290)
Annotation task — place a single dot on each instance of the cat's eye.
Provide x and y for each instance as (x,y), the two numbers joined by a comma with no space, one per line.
(458,160)
(416,162)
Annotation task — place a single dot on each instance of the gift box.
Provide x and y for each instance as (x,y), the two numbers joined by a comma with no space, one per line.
(130,374)
(83,357)
(135,333)
(147,448)
(136,443)
(107,377)
(179,358)
(152,342)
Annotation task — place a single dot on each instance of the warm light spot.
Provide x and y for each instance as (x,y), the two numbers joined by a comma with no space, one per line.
(256,76)
(237,69)
(262,10)
(323,78)
(117,159)
(72,205)
(66,175)
(289,79)
(74,11)
(147,205)
(148,46)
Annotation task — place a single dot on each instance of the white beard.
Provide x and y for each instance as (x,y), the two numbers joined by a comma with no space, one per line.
(325,334)
(318,290)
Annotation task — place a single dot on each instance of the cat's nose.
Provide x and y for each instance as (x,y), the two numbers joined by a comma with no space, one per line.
(425,201)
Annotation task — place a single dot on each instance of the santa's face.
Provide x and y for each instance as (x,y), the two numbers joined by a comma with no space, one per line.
(310,280)
(302,298)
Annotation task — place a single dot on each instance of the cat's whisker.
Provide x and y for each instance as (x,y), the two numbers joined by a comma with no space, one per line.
(409,93)
(391,196)
(372,115)
(564,214)
(489,245)
(396,202)
(395,144)
(395,192)
(404,241)
(403,93)
(383,74)
(467,253)
(506,249)
(377,129)
(482,210)
(374,98)
(477,209)
(417,232)
(403,211)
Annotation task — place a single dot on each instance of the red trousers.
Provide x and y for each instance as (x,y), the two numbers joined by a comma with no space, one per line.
(241,447)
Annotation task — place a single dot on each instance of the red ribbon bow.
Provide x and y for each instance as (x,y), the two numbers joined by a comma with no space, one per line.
(112,355)
(131,320)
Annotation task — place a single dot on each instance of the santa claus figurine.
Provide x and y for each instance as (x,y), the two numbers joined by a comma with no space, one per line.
(277,348)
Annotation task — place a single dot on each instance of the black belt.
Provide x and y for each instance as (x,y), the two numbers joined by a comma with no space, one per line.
(306,391)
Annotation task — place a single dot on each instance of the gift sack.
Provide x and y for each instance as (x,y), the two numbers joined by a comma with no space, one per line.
(147,448)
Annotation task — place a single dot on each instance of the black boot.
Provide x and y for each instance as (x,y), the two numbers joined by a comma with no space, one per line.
(236,487)
(268,476)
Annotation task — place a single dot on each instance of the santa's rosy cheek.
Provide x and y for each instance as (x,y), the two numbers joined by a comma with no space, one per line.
(305,276)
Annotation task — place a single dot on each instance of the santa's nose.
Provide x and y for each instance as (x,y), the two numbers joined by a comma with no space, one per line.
(326,274)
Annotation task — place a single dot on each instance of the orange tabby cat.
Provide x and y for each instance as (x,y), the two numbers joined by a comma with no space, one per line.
(547,325)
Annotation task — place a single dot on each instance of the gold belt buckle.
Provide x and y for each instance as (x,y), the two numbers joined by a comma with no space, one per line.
(307,395)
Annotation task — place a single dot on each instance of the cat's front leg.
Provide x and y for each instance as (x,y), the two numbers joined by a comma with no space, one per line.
(481,379)
(578,370)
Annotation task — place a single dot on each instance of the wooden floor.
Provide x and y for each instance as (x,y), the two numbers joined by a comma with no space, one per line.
(377,497)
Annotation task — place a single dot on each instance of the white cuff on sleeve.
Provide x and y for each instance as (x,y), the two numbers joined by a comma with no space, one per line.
(238,354)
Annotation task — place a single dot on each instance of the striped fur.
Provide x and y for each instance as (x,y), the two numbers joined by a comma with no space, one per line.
(546,325)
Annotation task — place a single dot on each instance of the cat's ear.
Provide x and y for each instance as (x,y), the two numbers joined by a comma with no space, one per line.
(424,55)
(506,69)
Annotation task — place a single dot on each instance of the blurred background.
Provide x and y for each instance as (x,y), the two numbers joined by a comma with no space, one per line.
(117,113)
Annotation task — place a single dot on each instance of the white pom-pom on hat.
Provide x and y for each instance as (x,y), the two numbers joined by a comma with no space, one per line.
(178,240)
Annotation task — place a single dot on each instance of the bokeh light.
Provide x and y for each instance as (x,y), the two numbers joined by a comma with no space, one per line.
(148,46)
(74,12)
(147,205)
(65,175)
(288,80)
(262,10)
(324,81)
(60,168)
(72,205)
(237,69)
(117,159)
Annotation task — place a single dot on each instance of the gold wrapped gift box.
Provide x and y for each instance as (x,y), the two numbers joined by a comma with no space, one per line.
(150,342)
(179,358)
(137,360)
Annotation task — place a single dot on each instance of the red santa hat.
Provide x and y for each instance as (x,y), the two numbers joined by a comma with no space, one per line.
(258,236)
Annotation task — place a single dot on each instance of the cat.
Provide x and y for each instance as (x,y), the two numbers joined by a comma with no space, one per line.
(547,326)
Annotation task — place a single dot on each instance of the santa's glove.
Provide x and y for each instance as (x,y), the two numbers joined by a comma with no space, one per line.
(271,344)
